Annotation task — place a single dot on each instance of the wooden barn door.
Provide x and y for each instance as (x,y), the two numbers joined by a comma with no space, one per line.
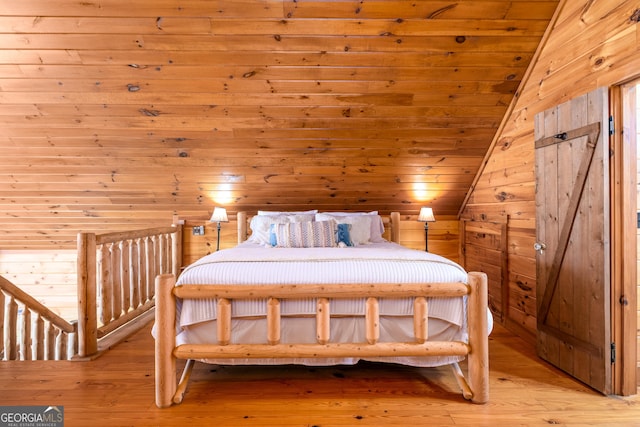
(573,248)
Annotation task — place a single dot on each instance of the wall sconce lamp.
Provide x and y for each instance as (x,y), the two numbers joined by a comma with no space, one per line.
(219,215)
(426,216)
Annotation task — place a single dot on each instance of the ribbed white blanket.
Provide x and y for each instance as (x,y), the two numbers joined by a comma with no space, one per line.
(251,264)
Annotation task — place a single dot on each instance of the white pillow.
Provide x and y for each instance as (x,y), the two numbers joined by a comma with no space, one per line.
(350,213)
(360,226)
(377,225)
(274,213)
(301,217)
(377,229)
(260,225)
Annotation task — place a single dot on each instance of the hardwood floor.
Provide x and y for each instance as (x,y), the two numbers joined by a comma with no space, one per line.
(117,390)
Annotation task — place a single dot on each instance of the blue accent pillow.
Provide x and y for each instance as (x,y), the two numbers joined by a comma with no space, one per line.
(273,240)
(343,235)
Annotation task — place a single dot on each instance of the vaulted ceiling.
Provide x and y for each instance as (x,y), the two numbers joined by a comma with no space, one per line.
(117,114)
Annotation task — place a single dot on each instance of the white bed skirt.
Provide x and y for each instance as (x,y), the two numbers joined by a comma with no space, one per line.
(344,329)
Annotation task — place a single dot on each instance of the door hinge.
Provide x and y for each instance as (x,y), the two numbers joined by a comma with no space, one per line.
(613,352)
(612,127)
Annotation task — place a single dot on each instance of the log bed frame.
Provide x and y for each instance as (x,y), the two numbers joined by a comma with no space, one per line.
(170,391)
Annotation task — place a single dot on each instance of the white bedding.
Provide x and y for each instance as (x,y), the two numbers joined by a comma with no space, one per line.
(387,262)
(344,329)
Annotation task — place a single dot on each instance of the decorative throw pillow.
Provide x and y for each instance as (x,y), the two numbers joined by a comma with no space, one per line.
(273,239)
(261,225)
(343,234)
(316,234)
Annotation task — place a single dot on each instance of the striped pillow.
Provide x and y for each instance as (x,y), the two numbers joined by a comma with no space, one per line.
(309,234)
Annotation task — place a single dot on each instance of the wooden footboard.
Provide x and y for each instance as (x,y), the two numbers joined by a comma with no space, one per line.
(168,390)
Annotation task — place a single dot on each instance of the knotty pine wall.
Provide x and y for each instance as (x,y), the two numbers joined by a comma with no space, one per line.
(638,229)
(117,114)
(592,44)
(48,276)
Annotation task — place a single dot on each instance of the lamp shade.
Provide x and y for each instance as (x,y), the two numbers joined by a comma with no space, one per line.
(219,215)
(426,215)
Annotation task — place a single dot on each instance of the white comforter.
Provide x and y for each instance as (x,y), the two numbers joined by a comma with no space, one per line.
(387,262)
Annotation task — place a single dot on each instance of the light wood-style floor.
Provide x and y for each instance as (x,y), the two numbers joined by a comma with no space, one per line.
(117,390)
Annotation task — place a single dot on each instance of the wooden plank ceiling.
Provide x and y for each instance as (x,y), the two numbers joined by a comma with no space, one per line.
(116,114)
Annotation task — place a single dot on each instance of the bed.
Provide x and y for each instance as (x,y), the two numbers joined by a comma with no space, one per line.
(321,289)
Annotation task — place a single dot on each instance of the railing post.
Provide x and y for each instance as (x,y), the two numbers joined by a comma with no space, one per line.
(87,307)
(144,269)
(38,333)
(3,350)
(10,329)
(176,250)
(72,343)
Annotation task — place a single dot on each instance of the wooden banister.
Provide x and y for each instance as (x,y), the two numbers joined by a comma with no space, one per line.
(25,334)
(116,273)
(35,305)
(134,234)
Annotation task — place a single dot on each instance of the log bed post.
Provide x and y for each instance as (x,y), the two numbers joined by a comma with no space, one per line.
(478,362)
(165,362)
(241,219)
(394,217)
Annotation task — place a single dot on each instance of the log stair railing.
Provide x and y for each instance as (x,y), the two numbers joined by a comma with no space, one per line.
(116,282)
(116,296)
(30,331)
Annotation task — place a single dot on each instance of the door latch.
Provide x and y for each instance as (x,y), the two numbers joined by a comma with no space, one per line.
(539,247)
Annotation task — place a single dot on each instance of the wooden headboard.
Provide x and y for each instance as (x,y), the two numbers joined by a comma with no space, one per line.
(391,224)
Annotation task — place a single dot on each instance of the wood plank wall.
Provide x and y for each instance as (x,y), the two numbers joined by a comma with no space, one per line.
(115,114)
(593,44)
(48,276)
(638,229)
(484,248)
(444,235)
